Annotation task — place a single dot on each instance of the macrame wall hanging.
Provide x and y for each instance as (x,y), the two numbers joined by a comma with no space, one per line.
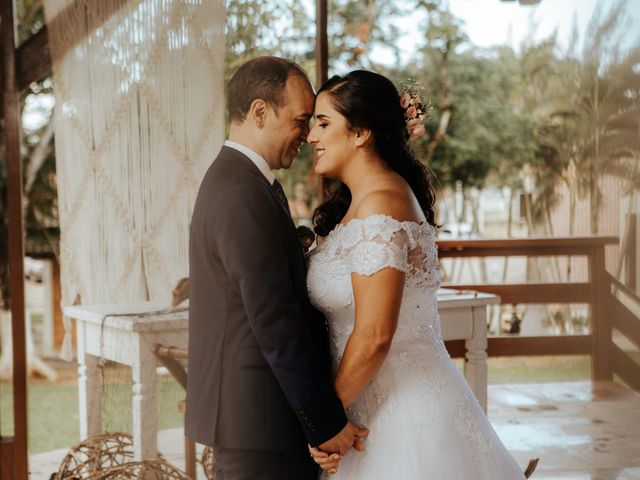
(139,117)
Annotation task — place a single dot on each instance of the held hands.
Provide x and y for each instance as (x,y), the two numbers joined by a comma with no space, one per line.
(328,454)
(345,439)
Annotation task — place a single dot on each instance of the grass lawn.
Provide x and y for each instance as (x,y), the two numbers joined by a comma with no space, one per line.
(53,407)
(539,369)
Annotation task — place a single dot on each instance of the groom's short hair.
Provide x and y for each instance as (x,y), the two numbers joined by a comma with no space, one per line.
(264,78)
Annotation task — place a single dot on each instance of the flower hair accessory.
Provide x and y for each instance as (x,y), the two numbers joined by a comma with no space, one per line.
(415,108)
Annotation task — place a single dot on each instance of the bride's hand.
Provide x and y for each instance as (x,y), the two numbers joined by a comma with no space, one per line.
(326,462)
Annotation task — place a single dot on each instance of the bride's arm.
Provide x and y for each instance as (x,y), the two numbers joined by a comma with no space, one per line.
(377,300)
(377,303)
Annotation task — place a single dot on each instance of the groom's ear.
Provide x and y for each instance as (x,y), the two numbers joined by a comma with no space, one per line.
(258,112)
(361,136)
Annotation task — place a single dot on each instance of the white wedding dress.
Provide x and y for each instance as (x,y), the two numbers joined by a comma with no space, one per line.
(424,422)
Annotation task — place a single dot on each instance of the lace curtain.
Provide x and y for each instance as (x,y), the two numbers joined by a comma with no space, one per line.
(139,117)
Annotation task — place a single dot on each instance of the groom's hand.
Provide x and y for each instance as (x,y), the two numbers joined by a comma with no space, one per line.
(349,436)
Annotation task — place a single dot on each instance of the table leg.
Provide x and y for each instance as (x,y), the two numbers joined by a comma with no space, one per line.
(475,365)
(144,403)
(89,388)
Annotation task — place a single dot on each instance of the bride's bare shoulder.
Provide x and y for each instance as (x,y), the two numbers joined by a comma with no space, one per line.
(394,199)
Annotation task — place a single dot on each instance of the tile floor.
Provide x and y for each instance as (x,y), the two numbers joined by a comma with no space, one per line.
(579,430)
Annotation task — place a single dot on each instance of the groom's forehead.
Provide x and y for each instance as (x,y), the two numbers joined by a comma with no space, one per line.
(299,95)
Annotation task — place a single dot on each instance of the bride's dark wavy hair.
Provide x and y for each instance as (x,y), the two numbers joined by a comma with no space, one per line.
(371,101)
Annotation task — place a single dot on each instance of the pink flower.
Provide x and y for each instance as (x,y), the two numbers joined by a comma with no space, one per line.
(404,100)
(413,123)
(418,131)
(411,112)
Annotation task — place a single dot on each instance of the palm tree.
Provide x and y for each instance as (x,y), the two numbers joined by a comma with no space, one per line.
(600,130)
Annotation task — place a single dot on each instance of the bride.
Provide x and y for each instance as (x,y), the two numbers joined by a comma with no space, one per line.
(375,276)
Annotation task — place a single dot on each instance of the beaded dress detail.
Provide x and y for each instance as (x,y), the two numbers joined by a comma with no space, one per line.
(424,422)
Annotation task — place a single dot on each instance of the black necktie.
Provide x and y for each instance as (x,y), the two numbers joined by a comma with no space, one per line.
(280,192)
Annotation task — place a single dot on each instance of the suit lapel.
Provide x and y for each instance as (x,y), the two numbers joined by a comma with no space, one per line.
(243,162)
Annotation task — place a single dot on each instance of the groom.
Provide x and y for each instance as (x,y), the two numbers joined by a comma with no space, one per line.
(259,384)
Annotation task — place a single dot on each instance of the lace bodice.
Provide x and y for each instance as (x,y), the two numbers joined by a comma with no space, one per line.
(417,399)
(366,246)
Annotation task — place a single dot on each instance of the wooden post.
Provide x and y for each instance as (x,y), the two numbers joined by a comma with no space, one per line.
(58,322)
(322,68)
(322,43)
(11,113)
(600,322)
(48,327)
(6,457)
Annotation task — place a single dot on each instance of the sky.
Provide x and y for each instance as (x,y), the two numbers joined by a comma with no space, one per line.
(497,22)
(492,22)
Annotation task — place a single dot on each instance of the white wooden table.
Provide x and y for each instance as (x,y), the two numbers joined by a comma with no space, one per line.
(463,316)
(127,333)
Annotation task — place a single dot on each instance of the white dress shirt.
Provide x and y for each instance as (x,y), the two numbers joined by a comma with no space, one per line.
(260,162)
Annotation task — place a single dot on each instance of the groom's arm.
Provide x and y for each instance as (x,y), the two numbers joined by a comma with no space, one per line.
(252,249)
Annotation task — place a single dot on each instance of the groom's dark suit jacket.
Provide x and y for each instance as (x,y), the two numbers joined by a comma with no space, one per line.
(259,367)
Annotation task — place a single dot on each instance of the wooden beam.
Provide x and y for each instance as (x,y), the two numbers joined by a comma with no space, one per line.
(6,457)
(544,345)
(176,369)
(523,243)
(58,318)
(456,348)
(11,114)
(322,43)
(627,369)
(33,60)
(494,247)
(618,285)
(511,251)
(515,346)
(33,57)
(322,73)
(625,321)
(600,293)
(533,292)
(173,352)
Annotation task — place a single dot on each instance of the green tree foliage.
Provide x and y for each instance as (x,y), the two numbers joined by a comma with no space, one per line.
(564,116)
(30,15)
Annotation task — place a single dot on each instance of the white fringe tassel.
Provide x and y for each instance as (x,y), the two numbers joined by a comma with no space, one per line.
(139,118)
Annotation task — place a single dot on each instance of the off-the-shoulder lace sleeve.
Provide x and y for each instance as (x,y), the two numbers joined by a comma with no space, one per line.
(371,244)
(373,252)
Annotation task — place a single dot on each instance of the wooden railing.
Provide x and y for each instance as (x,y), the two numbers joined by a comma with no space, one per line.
(624,312)
(612,305)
